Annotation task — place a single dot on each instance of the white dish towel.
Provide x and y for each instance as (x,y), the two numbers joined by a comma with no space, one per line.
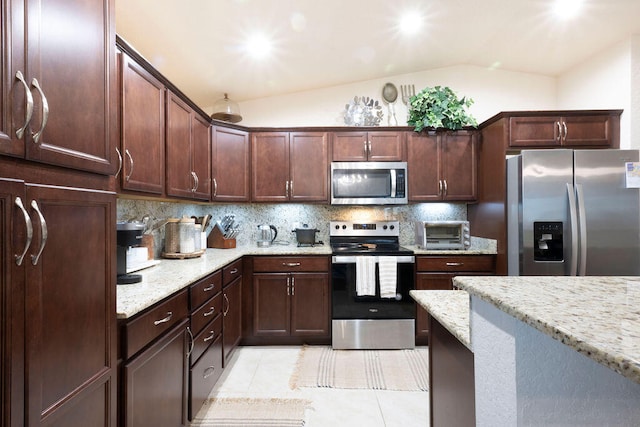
(365,276)
(388,273)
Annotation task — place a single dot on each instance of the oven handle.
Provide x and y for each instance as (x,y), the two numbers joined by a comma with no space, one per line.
(351,259)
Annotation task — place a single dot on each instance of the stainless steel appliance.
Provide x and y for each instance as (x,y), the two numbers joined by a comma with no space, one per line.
(379,314)
(266,235)
(570,213)
(443,234)
(368,183)
(306,236)
(129,234)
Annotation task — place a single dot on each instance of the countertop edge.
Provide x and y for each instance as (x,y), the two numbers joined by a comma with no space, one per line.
(450,308)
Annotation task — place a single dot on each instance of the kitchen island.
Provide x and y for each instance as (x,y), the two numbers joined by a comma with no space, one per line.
(555,350)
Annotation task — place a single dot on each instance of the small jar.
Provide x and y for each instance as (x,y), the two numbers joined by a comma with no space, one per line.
(196,237)
(186,228)
(171,236)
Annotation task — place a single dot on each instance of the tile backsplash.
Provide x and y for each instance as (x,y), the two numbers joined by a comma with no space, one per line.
(286,216)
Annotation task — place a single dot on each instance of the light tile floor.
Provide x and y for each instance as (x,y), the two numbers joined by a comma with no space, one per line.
(264,372)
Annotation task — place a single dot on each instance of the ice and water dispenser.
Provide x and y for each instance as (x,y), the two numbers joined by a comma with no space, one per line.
(548,238)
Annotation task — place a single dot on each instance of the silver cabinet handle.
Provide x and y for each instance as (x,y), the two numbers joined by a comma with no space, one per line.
(27,92)
(559,137)
(195,181)
(43,230)
(210,312)
(29,227)
(369,147)
(288,286)
(454,264)
(209,288)
(226,310)
(210,337)
(291,188)
(191,341)
(126,151)
(293,286)
(364,148)
(208,372)
(439,187)
(119,162)
(215,187)
(165,320)
(286,190)
(446,188)
(234,271)
(564,128)
(291,264)
(45,111)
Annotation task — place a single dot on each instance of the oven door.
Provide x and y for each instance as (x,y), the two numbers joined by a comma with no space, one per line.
(346,304)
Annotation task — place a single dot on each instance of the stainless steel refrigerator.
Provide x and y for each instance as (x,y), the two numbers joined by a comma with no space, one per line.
(570,212)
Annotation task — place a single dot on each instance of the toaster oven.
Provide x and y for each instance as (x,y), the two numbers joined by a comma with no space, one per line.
(443,234)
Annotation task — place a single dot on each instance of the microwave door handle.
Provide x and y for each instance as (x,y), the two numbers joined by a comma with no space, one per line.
(393,183)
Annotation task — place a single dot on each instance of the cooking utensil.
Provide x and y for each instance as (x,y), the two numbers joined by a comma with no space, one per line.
(390,95)
(305,235)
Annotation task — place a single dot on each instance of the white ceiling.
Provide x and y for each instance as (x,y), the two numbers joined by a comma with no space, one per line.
(197,44)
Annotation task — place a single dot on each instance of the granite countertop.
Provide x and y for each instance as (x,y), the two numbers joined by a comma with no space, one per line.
(450,308)
(597,316)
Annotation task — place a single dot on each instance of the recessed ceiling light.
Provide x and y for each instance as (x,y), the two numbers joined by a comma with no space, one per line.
(258,46)
(410,23)
(566,9)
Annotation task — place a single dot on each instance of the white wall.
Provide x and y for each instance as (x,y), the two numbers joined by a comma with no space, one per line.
(602,82)
(492,90)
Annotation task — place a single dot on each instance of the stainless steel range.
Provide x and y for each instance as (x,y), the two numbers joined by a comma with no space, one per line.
(371,276)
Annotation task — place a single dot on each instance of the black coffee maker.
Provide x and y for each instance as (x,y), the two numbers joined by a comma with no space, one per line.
(129,234)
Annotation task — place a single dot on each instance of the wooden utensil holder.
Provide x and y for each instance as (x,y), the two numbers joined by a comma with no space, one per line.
(216,240)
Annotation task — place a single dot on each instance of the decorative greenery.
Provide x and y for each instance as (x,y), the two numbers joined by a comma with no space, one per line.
(439,107)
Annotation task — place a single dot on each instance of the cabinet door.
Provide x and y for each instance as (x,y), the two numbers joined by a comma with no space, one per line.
(386,146)
(232,320)
(350,147)
(270,166)
(459,163)
(309,154)
(143,130)
(230,165)
(428,282)
(201,158)
(310,304)
(587,131)
(155,383)
(423,164)
(180,182)
(535,131)
(271,304)
(75,71)
(70,307)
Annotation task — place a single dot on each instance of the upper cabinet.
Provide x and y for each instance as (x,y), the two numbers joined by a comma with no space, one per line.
(290,166)
(230,165)
(142,126)
(188,147)
(442,166)
(58,90)
(374,146)
(564,130)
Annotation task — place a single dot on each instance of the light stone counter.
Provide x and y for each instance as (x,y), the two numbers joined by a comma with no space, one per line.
(597,316)
(450,308)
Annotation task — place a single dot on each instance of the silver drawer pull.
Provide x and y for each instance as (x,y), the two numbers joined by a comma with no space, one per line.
(29,112)
(44,234)
(191,342)
(165,320)
(29,229)
(234,271)
(210,312)
(291,264)
(210,287)
(45,111)
(208,372)
(210,337)
(454,264)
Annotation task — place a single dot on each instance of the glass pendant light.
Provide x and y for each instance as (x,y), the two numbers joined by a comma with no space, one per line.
(226,110)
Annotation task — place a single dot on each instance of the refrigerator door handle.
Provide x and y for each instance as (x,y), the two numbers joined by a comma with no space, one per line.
(573,223)
(582,226)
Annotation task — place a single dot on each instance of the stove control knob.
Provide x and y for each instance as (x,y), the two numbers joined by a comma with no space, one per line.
(344,227)
(392,226)
(337,227)
(384,227)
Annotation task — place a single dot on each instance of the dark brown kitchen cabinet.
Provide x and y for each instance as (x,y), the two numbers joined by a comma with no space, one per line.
(548,131)
(142,148)
(442,166)
(188,147)
(291,297)
(58,89)
(375,146)
(436,272)
(58,323)
(230,165)
(290,166)
(232,311)
(155,365)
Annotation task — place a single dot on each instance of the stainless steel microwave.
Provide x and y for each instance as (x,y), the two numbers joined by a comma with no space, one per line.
(369,183)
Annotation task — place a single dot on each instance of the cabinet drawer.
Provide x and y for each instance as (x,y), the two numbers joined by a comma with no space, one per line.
(457,263)
(204,314)
(205,288)
(208,335)
(203,376)
(231,271)
(275,264)
(145,328)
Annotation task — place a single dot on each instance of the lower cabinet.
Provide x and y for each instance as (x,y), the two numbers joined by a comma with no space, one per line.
(290,297)
(436,272)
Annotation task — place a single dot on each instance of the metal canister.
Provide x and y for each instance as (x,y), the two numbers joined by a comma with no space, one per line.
(186,228)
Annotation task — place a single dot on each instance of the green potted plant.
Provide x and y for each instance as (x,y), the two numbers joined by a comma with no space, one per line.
(439,107)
